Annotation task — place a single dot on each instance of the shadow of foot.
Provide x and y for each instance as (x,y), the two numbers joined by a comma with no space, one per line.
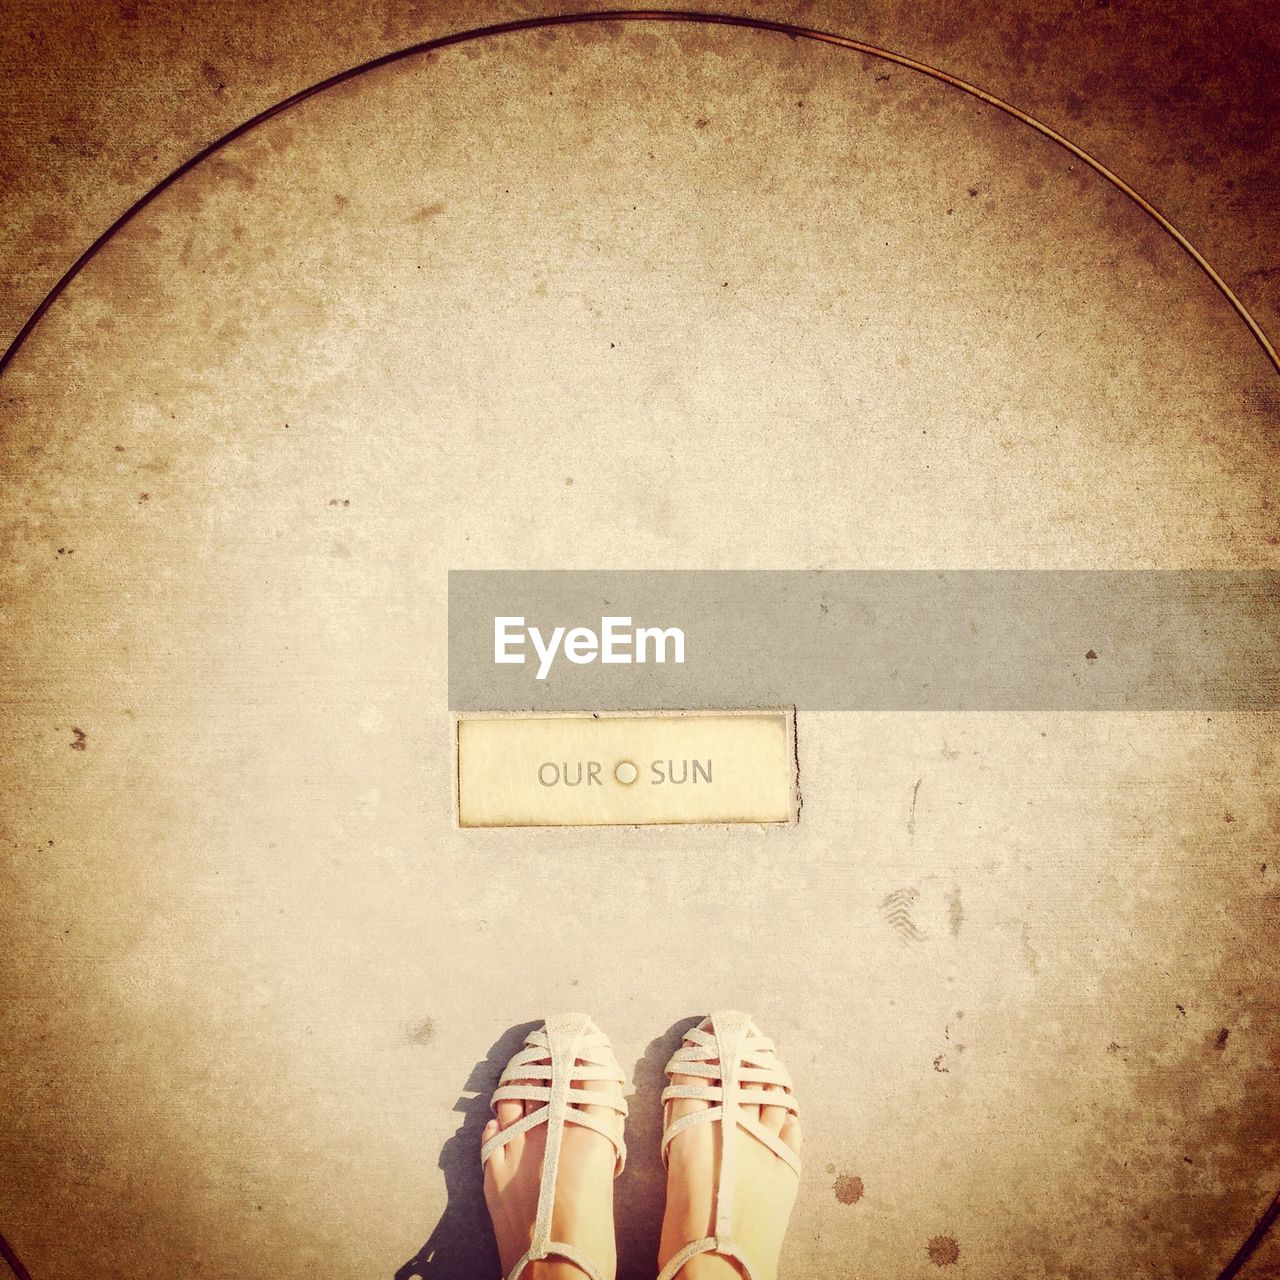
(462,1246)
(641,1191)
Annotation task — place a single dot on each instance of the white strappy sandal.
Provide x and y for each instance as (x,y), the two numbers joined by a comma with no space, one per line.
(564,1040)
(736,1061)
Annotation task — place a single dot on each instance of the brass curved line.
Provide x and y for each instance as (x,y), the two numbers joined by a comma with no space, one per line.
(648,15)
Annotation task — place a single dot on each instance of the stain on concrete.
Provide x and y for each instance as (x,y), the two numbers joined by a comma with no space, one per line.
(848,1189)
(424,1033)
(944,1251)
(239,175)
(1030,954)
(213,77)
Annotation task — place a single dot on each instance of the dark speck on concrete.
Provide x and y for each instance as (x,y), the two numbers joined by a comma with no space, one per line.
(1091,656)
(79,742)
(1221,1042)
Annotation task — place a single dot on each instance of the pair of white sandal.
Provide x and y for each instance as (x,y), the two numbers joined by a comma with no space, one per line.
(726,1050)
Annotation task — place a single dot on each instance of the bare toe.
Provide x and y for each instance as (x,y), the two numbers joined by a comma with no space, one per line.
(528,1108)
(507,1113)
(773,1118)
(791,1135)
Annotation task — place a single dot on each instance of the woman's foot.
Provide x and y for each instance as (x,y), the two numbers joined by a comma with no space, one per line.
(764,1188)
(582,1215)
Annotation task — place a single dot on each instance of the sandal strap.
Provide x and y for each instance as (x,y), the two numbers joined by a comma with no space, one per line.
(557,1249)
(592,1059)
(709,1244)
(728,1051)
(566,1040)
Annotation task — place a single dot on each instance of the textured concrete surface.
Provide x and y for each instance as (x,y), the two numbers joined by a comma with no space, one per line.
(617,296)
